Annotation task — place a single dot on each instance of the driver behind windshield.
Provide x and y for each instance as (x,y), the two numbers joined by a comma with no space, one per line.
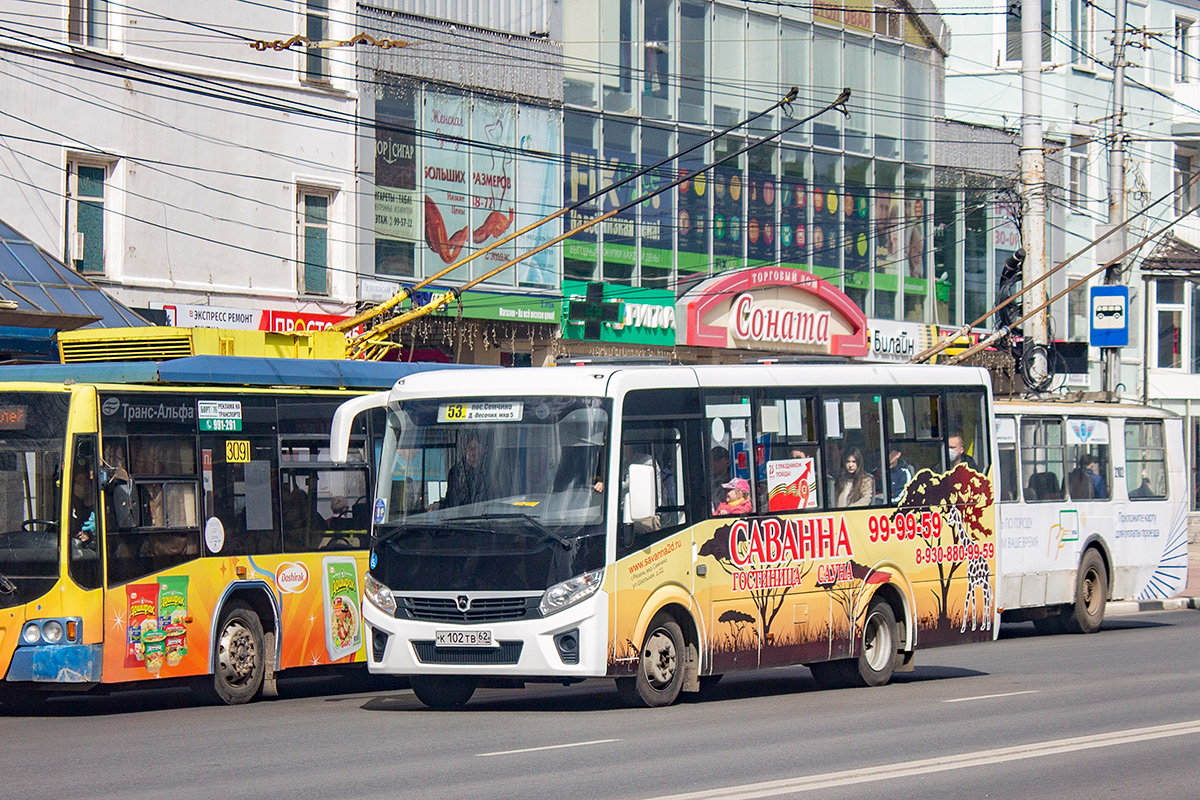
(466,482)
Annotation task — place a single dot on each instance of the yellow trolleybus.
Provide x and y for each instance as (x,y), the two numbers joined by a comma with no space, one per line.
(180,520)
(666,525)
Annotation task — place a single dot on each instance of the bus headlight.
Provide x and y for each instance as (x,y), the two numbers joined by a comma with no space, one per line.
(379,595)
(31,633)
(569,592)
(52,632)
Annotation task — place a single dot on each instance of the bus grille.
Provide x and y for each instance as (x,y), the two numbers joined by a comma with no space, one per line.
(483,609)
(429,653)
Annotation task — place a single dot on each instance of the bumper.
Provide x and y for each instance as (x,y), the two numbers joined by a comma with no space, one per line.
(408,649)
(59,663)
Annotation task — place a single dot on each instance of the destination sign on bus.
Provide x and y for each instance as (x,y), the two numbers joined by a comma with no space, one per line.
(12,418)
(480,412)
(219,415)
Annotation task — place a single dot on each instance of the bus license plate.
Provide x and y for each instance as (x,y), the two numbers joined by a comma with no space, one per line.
(463,638)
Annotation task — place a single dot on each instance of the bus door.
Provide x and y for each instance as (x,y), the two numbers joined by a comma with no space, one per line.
(1089,485)
(654,554)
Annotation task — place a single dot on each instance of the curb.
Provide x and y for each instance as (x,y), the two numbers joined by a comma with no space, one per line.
(1135,606)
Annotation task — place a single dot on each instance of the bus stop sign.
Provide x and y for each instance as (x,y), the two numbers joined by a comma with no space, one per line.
(1110,316)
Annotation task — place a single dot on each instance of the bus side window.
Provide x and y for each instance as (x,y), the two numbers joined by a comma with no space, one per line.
(1088,451)
(914,438)
(1006,443)
(1145,460)
(967,418)
(790,462)
(853,450)
(1043,458)
(729,444)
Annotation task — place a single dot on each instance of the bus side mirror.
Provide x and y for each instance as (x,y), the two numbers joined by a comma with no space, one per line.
(642,502)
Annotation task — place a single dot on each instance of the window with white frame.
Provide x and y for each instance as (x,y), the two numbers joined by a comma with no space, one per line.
(889,19)
(1169,305)
(312,223)
(1077,187)
(1185,55)
(1185,183)
(87,22)
(1012,38)
(87,193)
(316,28)
(1083,33)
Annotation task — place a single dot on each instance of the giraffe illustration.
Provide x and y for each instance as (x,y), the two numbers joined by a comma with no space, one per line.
(979,576)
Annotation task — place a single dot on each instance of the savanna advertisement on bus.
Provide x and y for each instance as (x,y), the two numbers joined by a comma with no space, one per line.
(788,588)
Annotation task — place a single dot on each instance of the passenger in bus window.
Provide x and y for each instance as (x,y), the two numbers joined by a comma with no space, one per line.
(737,498)
(854,487)
(958,453)
(1099,488)
(1144,490)
(900,472)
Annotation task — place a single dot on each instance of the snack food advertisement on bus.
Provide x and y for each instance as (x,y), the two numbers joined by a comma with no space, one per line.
(343,633)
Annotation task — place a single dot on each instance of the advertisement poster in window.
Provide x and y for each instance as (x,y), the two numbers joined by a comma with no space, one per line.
(792,484)
(447,227)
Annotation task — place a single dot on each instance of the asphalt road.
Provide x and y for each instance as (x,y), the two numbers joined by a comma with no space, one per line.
(1112,715)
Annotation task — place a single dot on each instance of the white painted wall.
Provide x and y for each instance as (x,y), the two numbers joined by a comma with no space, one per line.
(209,138)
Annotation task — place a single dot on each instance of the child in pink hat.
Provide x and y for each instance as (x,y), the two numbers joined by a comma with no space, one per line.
(737,498)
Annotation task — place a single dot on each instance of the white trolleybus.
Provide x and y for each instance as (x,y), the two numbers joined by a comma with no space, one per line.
(665,525)
(1093,507)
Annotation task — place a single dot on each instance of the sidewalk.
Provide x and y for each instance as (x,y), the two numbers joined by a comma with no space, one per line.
(1188,598)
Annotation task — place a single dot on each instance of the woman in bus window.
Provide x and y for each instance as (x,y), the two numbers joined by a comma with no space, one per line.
(854,487)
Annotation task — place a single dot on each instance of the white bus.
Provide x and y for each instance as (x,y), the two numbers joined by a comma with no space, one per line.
(1093,507)
(665,525)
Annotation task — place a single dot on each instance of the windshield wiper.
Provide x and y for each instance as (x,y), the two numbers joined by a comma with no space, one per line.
(407,528)
(532,520)
(7,586)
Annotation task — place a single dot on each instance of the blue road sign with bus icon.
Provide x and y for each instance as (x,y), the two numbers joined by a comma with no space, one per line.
(1110,316)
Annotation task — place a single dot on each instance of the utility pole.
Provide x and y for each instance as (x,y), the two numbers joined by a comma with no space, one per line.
(1111,361)
(1033,164)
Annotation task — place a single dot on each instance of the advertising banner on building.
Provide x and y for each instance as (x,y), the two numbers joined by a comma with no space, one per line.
(539,192)
(771,308)
(491,305)
(183,315)
(647,316)
(493,198)
(445,175)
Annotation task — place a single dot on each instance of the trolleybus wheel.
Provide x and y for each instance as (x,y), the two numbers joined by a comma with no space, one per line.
(876,654)
(1091,593)
(447,691)
(660,666)
(241,657)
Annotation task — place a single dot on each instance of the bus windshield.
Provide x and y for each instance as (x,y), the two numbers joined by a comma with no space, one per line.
(32,434)
(533,462)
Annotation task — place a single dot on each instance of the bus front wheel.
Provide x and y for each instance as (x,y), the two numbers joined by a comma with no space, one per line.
(660,666)
(241,658)
(1091,593)
(443,692)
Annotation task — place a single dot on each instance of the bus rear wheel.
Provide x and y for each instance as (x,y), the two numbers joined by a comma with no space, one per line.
(443,692)
(876,654)
(1091,593)
(241,658)
(660,666)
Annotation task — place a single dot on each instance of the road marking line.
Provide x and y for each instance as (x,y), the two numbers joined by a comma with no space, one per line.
(808,783)
(990,696)
(547,747)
